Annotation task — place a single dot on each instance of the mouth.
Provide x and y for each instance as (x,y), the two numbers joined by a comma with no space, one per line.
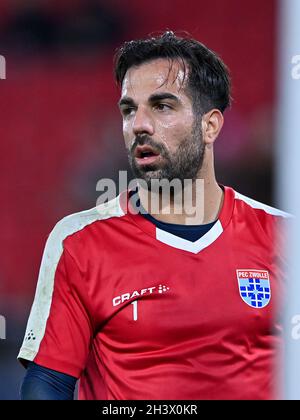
(145,155)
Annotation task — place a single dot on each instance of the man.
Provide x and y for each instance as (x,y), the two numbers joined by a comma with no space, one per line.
(144,305)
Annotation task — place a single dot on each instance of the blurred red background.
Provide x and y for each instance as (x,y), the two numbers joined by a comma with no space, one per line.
(60,129)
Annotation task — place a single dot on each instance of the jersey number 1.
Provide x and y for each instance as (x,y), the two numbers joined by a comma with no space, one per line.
(135,312)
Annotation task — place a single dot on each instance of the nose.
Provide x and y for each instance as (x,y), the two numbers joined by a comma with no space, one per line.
(143,122)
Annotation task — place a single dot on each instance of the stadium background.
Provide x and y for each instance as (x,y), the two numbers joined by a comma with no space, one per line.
(60,127)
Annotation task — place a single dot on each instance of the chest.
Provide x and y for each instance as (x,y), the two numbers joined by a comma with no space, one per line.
(169,295)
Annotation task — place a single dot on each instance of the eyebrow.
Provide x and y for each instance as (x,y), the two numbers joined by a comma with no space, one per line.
(155,97)
(161,96)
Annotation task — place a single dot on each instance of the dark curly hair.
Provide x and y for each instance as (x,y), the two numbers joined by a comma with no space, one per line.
(208,82)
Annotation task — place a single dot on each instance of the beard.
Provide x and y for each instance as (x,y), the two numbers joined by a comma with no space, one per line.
(185,163)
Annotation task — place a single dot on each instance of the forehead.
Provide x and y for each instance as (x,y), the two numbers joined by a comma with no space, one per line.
(155,76)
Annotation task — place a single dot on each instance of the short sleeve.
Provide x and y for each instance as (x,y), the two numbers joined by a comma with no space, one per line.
(59,329)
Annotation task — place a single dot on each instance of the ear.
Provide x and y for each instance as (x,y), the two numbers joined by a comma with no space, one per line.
(212,123)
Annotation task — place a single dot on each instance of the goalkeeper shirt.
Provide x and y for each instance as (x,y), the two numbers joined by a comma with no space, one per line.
(136,312)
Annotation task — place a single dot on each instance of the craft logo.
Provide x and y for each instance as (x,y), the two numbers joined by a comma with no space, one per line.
(136,293)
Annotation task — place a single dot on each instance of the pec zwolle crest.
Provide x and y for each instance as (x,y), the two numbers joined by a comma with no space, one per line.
(254,286)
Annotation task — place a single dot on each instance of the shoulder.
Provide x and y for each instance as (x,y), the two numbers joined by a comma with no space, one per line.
(77,223)
(250,203)
(77,227)
(269,219)
(71,235)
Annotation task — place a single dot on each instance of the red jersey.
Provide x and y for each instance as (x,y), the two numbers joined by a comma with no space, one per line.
(136,312)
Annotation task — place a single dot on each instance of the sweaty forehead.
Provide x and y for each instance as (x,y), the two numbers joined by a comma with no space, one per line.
(153,76)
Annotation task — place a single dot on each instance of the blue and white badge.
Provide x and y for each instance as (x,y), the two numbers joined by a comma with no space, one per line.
(254,287)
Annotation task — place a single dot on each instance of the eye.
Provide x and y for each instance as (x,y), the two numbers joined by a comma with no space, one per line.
(126,111)
(163,107)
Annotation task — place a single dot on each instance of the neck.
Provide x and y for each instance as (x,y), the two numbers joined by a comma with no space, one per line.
(197,203)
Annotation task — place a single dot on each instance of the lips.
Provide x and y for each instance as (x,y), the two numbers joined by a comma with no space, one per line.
(145,155)
(142,152)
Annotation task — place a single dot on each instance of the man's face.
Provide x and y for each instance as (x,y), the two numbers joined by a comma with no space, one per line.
(162,134)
